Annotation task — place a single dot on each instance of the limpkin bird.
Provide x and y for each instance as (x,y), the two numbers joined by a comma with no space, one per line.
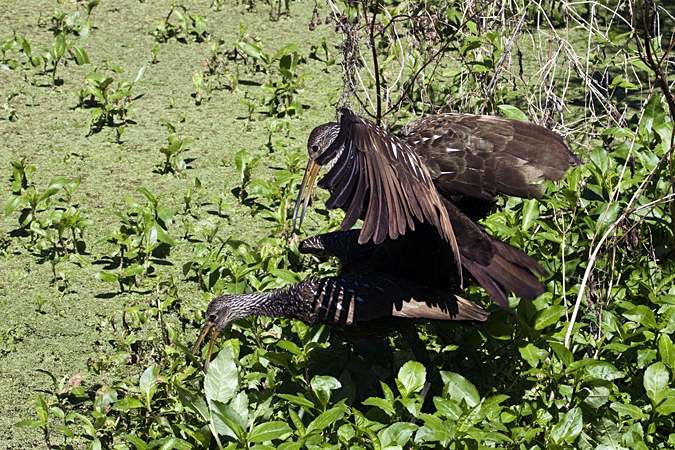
(376,285)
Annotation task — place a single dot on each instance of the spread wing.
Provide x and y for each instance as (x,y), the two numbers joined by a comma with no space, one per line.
(373,164)
(481,156)
(372,295)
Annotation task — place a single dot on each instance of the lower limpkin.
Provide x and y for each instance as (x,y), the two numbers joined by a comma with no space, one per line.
(375,285)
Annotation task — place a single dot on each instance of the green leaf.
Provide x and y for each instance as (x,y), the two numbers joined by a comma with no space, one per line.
(148,384)
(80,55)
(602,370)
(628,410)
(322,386)
(287,276)
(532,354)
(155,233)
(380,403)
(227,421)
(595,396)
(41,409)
(60,45)
(127,404)
(656,381)
(459,388)
(222,379)
(298,400)
(191,401)
(563,353)
(568,428)
(14,202)
(642,314)
(138,442)
(548,316)
(667,351)
(288,48)
(513,113)
(269,431)
(398,433)
(530,213)
(411,378)
(667,406)
(447,408)
(326,418)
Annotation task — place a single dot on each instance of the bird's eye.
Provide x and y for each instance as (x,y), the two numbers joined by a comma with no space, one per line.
(212,318)
(315,148)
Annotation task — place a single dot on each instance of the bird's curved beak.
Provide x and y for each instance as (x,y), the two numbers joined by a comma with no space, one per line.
(202,335)
(308,180)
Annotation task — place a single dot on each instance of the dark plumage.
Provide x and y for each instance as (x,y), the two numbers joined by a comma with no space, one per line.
(411,181)
(374,286)
(469,160)
(395,180)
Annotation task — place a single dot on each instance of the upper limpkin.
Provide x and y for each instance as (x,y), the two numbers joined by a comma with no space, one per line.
(404,177)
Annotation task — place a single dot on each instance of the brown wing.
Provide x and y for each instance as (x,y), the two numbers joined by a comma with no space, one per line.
(495,265)
(372,295)
(373,163)
(481,156)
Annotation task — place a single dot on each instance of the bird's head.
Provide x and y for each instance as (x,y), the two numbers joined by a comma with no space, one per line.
(320,139)
(220,314)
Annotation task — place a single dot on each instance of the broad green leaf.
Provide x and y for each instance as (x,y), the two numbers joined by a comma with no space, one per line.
(530,212)
(642,314)
(447,408)
(512,112)
(41,409)
(269,431)
(595,396)
(532,354)
(147,195)
(411,378)
(290,347)
(326,418)
(548,316)
(568,428)
(322,386)
(288,48)
(193,402)
(148,384)
(127,404)
(667,406)
(459,388)
(227,421)
(138,442)
(398,433)
(563,353)
(656,381)
(436,431)
(80,55)
(222,379)
(60,45)
(602,370)
(14,202)
(298,400)
(170,443)
(380,403)
(628,410)
(667,351)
